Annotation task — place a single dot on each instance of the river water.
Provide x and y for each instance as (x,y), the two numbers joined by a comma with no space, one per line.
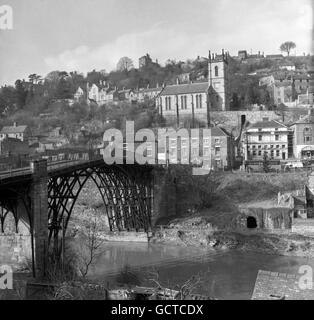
(224,274)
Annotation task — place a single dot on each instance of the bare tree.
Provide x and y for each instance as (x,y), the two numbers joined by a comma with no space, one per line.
(90,249)
(125,64)
(287,47)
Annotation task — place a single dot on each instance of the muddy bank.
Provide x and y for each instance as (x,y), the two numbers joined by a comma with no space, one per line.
(197,233)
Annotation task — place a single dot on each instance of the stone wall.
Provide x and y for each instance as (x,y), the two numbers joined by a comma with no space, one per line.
(279,286)
(269,219)
(16,249)
(165,194)
(304,227)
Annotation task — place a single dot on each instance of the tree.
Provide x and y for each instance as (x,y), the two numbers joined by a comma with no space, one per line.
(287,47)
(125,64)
(34,78)
(21,94)
(266,164)
(90,249)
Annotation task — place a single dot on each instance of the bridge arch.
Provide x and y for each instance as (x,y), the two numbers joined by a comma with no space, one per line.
(125,190)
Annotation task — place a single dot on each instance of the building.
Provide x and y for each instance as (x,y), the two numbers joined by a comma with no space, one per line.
(222,149)
(15,131)
(306,98)
(144,61)
(211,148)
(270,138)
(195,100)
(285,87)
(242,54)
(275,56)
(148,93)
(79,95)
(184,77)
(14,146)
(303,137)
(288,65)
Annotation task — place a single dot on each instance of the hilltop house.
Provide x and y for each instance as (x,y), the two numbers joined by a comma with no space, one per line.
(79,95)
(19,132)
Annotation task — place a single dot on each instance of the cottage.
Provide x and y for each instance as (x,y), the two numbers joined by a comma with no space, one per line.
(19,132)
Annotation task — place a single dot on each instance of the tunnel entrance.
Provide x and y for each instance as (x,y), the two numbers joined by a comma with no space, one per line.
(251,223)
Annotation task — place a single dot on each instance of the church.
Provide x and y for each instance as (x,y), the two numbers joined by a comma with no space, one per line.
(195,100)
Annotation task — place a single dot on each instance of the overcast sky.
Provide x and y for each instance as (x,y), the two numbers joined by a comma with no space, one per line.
(93,34)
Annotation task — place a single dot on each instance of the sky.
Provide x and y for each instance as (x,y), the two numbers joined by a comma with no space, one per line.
(82,35)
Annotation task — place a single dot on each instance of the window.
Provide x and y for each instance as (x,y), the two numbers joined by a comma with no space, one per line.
(283,146)
(254,153)
(217,140)
(184,152)
(277,153)
(184,142)
(194,152)
(217,151)
(207,141)
(277,137)
(183,102)
(277,146)
(206,152)
(259,147)
(259,152)
(168,103)
(307,133)
(260,137)
(216,71)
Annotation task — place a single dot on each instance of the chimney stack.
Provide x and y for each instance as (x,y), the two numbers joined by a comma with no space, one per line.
(178,81)
(14,124)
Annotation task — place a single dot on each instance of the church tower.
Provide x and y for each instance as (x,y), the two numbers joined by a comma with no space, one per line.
(218,81)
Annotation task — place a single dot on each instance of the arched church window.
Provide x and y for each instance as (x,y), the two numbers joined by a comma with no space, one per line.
(216,71)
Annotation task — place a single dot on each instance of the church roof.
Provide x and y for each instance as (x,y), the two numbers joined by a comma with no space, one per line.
(199,87)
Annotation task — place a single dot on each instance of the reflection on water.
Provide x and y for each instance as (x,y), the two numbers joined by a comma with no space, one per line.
(225,275)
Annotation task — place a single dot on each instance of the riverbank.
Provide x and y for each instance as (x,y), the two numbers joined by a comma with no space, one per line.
(199,233)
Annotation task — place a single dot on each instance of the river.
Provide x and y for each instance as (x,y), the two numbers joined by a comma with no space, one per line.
(225,274)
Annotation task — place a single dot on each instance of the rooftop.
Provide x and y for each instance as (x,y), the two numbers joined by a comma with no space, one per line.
(198,87)
(267,124)
(13,129)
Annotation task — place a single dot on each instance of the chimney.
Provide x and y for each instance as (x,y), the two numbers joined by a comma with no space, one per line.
(148,86)
(223,53)
(157,85)
(209,56)
(178,81)
(14,124)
